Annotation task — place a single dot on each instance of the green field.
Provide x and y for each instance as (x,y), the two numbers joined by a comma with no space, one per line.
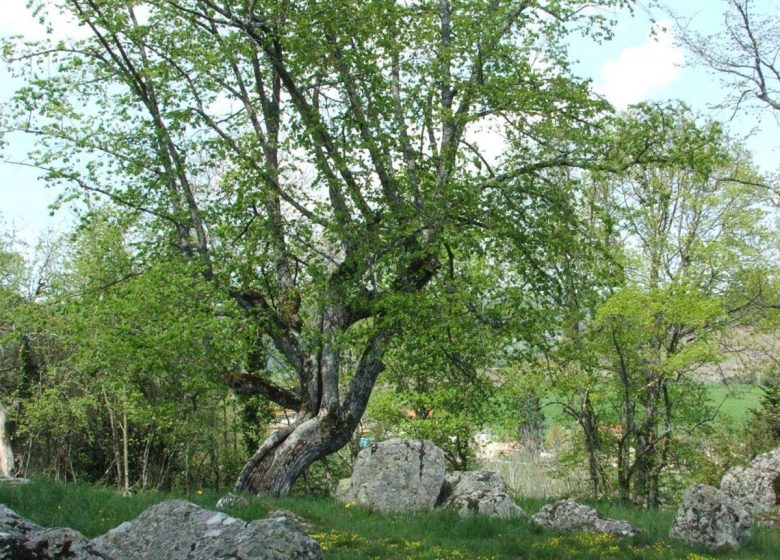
(350,533)
(735,400)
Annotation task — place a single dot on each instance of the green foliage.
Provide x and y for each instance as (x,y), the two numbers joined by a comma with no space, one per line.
(517,410)
(322,477)
(315,166)
(632,330)
(128,359)
(255,413)
(437,366)
(770,409)
(449,416)
(12,278)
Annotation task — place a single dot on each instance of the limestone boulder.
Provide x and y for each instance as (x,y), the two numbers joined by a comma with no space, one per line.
(757,486)
(173,530)
(21,539)
(179,530)
(396,475)
(292,517)
(569,516)
(343,490)
(479,492)
(711,519)
(770,520)
(13,480)
(231,500)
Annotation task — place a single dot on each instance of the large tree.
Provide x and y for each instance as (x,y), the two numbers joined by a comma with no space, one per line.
(325,164)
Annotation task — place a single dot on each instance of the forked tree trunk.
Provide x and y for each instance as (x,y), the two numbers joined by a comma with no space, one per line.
(286,454)
(325,424)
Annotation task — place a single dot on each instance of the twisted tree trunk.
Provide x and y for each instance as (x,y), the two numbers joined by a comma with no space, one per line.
(288,452)
(325,423)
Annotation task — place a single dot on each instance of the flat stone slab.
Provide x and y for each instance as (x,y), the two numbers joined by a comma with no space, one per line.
(21,539)
(572,517)
(180,530)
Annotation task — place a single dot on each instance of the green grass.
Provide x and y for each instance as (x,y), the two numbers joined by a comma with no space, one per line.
(351,533)
(735,400)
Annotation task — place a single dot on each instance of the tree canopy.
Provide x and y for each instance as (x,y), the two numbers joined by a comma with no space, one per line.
(331,171)
(318,162)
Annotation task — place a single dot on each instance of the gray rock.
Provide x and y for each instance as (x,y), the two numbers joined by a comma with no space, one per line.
(396,475)
(756,487)
(570,516)
(21,539)
(481,492)
(179,530)
(13,480)
(292,517)
(231,500)
(770,520)
(710,518)
(344,490)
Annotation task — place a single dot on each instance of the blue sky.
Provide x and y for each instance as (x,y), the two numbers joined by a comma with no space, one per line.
(632,67)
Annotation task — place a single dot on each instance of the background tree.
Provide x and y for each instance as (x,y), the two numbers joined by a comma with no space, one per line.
(13,273)
(128,367)
(743,54)
(691,230)
(25,273)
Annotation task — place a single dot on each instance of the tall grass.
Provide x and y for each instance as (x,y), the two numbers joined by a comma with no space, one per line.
(352,533)
(528,474)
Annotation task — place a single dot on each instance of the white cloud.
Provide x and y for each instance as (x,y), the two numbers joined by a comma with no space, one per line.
(643,70)
(17,19)
(142,12)
(488,137)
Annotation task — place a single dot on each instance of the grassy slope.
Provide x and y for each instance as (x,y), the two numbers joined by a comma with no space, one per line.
(352,533)
(735,400)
